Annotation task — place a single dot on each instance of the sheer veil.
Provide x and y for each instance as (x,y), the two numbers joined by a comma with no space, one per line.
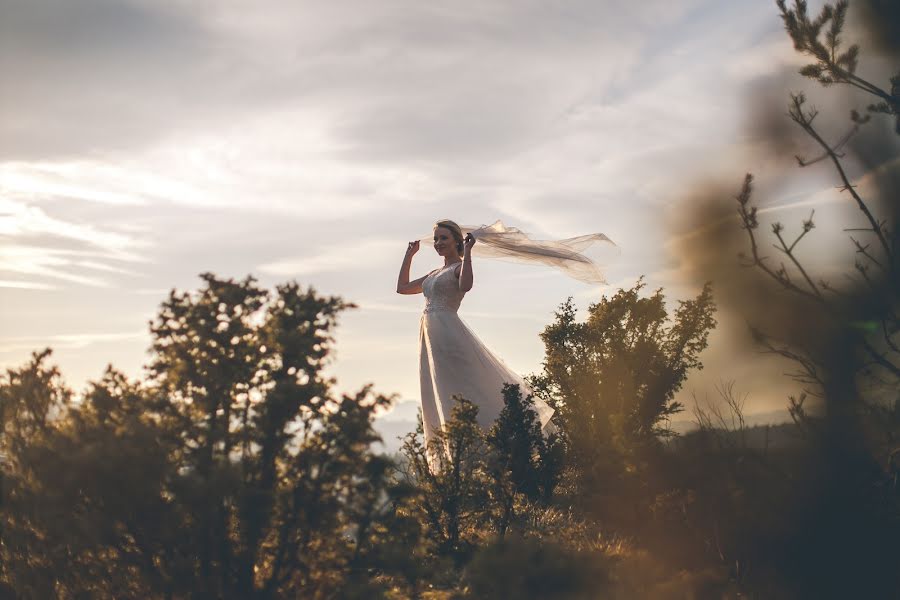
(510,243)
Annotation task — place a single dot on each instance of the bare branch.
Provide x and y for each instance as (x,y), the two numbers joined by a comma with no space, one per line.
(789,251)
(802,118)
(863,249)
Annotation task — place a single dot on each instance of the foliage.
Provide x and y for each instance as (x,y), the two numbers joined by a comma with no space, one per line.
(452,479)
(819,517)
(613,377)
(533,461)
(833,64)
(854,368)
(859,360)
(471,482)
(233,473)
(527,568)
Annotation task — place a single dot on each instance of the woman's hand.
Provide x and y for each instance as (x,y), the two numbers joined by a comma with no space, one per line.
(404,285)
(469,242)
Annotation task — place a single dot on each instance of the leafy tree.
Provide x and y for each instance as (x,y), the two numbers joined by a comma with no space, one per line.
(453,483)
(78,488)
(29,398)
(613,377)
(233,472)
(532,461)
(472,486)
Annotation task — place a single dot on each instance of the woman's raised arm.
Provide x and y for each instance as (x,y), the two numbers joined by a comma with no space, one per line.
(404,285)
(466,278)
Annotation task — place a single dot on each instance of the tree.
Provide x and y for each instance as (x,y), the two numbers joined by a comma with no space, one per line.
(233,472)
(532,461)
(832,64)
(29,399)
(855,366)
(612,378)
(451,476)
(842,338)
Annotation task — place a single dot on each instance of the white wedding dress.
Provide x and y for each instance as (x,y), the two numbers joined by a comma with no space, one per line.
(453,361)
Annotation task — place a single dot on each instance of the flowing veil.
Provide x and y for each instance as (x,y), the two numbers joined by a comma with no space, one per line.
(510,243)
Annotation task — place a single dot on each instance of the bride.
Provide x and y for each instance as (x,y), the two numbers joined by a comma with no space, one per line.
(452,360)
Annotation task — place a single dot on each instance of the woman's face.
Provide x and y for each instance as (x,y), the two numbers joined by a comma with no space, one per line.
(444,244)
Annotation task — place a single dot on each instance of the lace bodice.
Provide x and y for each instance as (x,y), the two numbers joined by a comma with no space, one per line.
(441,290)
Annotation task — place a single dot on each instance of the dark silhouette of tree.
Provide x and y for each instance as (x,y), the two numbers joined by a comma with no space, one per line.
(233,472)
(450,474)
(533,462)
(470,482)
(473,490)
(29,398)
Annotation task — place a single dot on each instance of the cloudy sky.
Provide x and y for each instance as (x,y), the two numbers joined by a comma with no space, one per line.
(147,141)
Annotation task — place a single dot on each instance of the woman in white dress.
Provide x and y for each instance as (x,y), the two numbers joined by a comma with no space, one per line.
(452,360)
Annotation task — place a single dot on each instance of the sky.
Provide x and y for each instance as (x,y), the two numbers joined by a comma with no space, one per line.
(147,141)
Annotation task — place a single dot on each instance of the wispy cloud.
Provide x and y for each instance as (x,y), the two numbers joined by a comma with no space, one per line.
(18,219)
(45,262)
(348,257)
(38,244)
(69,181)
(25,285)
(66,341)
(819,193)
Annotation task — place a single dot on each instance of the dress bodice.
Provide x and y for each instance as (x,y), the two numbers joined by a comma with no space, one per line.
(441,290)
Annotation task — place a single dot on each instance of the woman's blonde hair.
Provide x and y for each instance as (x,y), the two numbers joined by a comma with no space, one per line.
(455,231)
